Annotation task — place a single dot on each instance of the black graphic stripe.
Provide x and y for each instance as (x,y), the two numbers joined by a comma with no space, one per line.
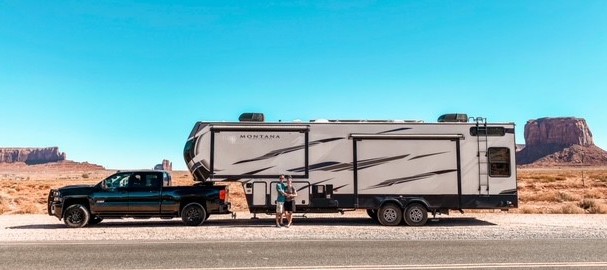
(337,188)
(308,185)
(278,152)
(401,180)
(393,130)
(316,166)
(508,192)
(335,166)
(248,173)
(427,155)
(368,163)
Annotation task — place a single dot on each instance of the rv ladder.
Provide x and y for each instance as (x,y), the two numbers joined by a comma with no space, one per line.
(482,143)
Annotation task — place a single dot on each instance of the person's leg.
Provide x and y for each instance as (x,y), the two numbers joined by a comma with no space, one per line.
(290,218)
(279,211)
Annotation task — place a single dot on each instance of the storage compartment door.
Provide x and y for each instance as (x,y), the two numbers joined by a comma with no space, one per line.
(259,194)
(407,167)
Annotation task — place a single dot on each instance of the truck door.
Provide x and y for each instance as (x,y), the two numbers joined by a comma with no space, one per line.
(113,198)
(144,193)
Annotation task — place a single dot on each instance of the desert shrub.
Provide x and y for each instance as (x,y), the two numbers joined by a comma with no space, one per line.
(569,209)
(528,210)
(548,178)
(593,194)
(545,196)
(587,203)
(599,177)
(5,203)
(593,206)
(598,209)
(567,197)
(29,208)
(85,175)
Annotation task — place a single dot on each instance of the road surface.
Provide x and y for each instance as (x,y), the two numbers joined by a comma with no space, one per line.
(308,254)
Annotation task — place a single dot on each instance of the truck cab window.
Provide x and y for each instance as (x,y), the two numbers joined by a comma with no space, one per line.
(118,180)
(153,180)
(499,162)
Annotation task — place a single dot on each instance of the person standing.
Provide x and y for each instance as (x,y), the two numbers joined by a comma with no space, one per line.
(290,201)
(280,200)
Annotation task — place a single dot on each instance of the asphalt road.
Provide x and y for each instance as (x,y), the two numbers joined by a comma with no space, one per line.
(308,254)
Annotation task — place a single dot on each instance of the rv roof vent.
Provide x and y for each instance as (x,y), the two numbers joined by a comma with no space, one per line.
(251,117)
(453,117)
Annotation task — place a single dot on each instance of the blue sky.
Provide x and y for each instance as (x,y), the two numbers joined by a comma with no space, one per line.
(121,83)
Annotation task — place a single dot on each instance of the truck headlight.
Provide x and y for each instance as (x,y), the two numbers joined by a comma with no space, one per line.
(56,196)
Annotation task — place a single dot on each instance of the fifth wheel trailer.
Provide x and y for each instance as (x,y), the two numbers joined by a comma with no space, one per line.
(396,170)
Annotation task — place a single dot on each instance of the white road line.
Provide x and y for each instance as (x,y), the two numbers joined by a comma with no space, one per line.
(420,266)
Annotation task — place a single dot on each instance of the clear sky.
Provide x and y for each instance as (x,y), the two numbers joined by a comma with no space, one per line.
(121,83)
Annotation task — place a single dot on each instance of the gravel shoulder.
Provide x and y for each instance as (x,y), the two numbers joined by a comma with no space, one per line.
(350,226)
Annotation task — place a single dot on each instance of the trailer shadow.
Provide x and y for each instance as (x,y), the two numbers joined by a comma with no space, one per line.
(263,222)
(347,222)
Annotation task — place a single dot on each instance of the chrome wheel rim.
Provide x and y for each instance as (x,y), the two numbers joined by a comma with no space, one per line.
(390,215)
(416,215)
(193,214)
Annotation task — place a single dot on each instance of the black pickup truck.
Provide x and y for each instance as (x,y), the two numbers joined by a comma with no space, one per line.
(137,194)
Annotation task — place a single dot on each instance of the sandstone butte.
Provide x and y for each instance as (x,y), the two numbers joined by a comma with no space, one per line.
(561,141)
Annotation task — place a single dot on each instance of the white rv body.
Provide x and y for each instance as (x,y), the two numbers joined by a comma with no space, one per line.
(361,165)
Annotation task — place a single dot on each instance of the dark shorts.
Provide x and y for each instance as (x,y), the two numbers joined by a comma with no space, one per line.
(290,206)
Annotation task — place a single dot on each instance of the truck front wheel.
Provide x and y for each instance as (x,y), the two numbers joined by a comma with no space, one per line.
(76,216)
(193,214)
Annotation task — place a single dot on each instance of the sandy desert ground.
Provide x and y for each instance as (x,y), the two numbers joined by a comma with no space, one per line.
(24,189)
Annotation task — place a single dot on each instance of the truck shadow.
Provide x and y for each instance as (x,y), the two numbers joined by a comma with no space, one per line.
(263,222)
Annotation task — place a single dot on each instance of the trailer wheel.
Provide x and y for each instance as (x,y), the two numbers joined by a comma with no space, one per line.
(193,214)
(76,216)
(373,214)
(390,215)
(416,215)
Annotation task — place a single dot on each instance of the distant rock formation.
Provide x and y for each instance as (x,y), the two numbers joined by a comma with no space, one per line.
(165,165)
(559,142)
(31,156)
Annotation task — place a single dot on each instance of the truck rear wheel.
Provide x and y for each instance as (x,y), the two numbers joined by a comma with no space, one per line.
(416,215)
(193,214)
(76,216)
(390,215)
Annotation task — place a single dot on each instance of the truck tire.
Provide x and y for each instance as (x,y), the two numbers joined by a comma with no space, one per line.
(416,214)
(76,216)
(390,215)
(373,214)
(94,220)
(193,214)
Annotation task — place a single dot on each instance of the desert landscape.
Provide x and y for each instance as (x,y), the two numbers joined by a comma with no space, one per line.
(560,171)
(557,190)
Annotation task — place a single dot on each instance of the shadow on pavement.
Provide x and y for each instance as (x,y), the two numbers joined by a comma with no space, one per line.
(264,222)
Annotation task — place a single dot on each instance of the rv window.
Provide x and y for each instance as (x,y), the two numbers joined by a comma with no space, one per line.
(499,162)
(488,131)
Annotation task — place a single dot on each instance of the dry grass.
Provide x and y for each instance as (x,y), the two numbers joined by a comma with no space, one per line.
(563,190)
(545,191)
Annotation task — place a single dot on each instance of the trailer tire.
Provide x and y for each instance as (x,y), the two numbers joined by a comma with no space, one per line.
(76,216)
(390,215)
(373,214)
(416,214)
(193,214)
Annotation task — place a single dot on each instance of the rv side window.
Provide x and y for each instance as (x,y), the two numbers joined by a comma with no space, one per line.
(499,162)
(489,131)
